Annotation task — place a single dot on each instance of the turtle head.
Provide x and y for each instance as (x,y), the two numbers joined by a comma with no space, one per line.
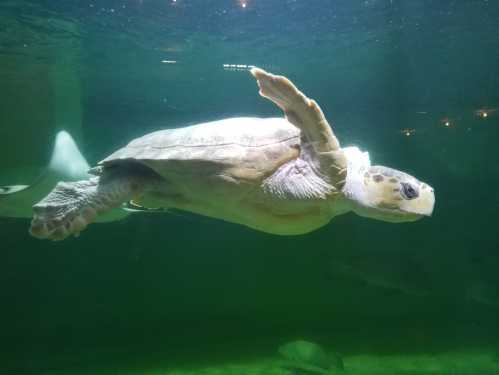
(387,194)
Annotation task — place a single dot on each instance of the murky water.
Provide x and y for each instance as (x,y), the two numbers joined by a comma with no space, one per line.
(414,83)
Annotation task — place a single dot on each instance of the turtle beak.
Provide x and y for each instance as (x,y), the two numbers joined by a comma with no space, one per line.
(425,203)
(430,201)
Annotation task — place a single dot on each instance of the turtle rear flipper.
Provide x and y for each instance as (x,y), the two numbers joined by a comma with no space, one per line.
(71,206)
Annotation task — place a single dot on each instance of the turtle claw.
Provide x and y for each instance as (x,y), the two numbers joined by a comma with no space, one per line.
(56,229)
(38,229)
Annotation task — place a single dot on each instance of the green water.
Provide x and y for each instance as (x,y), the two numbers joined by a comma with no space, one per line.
(183,294)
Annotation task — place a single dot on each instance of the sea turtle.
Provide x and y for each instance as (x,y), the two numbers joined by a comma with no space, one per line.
(305,357)
(284,176)
(66,163)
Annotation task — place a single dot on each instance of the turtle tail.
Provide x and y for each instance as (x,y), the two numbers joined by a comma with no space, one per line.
(71,206)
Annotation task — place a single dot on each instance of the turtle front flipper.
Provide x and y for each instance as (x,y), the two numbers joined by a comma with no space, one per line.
(306,115)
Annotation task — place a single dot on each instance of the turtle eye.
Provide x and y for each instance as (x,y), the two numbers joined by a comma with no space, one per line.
(408,191)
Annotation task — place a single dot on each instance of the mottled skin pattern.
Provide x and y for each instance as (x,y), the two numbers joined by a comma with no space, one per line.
(283,176)
(392,191)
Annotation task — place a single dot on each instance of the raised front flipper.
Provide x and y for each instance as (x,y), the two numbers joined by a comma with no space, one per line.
(306,115)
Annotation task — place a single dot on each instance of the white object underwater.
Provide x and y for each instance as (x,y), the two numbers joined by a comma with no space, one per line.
(357,162)
(66,164)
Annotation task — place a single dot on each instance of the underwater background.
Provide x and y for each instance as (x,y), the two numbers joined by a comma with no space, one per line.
(409,81)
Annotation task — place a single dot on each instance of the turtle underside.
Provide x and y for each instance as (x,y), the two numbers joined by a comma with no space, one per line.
(227,169)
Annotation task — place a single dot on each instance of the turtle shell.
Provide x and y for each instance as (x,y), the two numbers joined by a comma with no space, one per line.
(249,147)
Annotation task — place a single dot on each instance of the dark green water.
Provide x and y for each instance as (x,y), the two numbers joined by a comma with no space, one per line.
(186,290)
